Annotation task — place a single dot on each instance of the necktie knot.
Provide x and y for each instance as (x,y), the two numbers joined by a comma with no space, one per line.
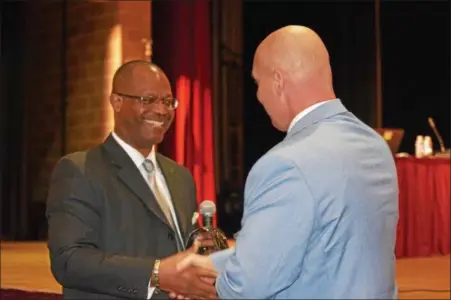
(148,166)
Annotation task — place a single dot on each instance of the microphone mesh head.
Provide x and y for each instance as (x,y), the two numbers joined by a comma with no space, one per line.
(207,208)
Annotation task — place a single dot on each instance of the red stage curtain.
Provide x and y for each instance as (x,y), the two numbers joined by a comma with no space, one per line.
(187,61)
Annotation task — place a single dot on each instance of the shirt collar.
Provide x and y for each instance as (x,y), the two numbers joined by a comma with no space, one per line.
(303,113)
(134,154)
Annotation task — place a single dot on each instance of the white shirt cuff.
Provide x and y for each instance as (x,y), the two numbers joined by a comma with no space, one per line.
(150,291)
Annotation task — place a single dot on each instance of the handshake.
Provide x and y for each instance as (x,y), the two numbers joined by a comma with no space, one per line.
(188,275)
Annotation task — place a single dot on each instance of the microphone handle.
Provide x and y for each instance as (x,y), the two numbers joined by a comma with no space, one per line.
(439,138)
(207,221)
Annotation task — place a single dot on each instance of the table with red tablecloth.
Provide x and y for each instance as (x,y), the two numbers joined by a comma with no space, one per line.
(424,206)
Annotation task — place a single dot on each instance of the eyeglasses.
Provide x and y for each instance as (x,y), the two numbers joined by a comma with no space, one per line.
(170,102)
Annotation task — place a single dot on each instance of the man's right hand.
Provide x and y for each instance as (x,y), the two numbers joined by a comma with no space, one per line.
(189,282)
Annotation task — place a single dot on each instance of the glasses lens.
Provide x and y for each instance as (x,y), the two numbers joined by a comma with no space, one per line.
(170,103)
(149,100)
(173,103)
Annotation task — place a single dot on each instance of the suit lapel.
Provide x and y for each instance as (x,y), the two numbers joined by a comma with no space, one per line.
(129,174)
(173,182)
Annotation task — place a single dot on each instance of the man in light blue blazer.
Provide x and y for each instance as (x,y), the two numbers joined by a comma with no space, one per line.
(321,207)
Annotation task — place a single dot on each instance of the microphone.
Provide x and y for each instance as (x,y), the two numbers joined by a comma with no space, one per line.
(207,210)
(437,135)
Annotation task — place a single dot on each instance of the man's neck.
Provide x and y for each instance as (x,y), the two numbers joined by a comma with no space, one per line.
(144,151)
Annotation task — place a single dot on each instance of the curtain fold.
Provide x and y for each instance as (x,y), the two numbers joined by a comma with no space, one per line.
(182,48)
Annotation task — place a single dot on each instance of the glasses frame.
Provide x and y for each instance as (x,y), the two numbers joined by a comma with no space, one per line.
(151,100)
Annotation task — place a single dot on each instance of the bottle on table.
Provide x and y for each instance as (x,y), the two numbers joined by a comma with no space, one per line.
(419,146)
(428,149)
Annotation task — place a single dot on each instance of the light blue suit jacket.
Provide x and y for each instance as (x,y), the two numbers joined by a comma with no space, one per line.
(320,216)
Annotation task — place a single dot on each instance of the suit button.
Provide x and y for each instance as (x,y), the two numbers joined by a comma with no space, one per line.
(170,236)
(130,291)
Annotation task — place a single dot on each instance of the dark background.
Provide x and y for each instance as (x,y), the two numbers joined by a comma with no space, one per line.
(416,68)
(415,52)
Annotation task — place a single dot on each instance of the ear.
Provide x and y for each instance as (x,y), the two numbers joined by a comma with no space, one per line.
(278,82)
(116,102)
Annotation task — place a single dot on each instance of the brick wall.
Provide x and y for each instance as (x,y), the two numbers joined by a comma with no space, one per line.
(108,34)
(100,36)
(88,26)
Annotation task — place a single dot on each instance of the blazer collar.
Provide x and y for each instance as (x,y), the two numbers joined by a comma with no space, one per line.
(325,111)
(129,174)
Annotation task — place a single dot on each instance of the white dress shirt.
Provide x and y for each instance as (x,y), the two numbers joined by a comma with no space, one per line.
(138,159)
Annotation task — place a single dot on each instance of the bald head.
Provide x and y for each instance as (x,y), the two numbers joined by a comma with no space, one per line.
(292,69)
(297,50)
(133,76)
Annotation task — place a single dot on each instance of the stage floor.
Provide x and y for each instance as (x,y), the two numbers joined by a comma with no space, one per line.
(25,266)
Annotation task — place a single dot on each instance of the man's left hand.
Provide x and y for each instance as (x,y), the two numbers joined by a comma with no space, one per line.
(203,239)
(194,260)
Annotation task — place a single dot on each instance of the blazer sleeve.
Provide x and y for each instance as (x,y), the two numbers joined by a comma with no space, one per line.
(73,214)
(276,226)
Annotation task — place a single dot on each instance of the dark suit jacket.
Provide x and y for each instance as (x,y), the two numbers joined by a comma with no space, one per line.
(106,228)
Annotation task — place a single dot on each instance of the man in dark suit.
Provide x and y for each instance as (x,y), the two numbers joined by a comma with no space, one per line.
(119,214)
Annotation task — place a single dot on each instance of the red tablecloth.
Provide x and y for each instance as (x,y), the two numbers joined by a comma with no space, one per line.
(424,207)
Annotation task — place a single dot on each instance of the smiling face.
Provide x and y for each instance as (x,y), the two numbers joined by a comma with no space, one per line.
(142,124)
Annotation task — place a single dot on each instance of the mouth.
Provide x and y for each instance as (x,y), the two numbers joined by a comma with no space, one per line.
(154,123)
